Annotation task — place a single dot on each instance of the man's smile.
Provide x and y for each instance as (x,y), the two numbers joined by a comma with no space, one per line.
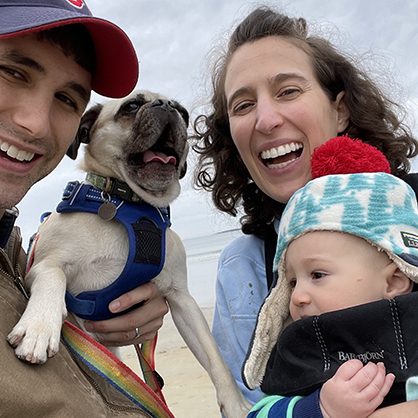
(14,153)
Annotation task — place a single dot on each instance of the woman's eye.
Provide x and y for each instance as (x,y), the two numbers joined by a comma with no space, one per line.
(289,92)
(242,107)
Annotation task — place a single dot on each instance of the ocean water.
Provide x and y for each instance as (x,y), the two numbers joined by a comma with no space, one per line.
(202,260)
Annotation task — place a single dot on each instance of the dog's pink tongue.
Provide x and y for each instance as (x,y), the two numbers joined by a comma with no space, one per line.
(151,156)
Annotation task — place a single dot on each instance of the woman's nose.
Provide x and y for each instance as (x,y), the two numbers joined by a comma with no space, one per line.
(269,116)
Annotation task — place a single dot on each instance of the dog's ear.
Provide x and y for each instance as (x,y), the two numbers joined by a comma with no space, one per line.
(83,133)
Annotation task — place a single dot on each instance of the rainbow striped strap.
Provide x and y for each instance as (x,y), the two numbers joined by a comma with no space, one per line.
(99,359)
(146,358)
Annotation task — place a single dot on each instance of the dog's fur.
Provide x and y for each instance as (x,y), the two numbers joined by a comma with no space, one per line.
(80,251)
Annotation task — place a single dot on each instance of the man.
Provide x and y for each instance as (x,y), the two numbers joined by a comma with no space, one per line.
(52,53)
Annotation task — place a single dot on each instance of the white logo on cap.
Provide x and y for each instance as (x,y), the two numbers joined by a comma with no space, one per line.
(76,3)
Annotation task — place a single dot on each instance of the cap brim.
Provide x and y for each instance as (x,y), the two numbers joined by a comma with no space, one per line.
(117,65)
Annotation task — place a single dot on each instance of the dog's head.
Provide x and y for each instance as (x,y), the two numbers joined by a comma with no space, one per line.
(141,140)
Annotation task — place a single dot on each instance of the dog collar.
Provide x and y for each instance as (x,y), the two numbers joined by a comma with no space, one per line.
(113,187)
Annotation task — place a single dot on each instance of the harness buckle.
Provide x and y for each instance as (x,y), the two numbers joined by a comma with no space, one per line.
(69,189)
(120,190)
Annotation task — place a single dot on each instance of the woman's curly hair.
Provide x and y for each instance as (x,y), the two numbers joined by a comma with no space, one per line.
(373,118)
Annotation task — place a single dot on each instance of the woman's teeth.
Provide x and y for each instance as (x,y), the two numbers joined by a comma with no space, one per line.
(14,152)
(281,150)
(280,165)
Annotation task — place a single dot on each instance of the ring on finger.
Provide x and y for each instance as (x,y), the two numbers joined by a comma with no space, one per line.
(137,333)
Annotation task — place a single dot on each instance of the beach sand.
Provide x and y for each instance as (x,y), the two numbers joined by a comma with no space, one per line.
(188,390)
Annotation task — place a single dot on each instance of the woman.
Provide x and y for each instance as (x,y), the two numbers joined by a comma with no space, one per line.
(278,94)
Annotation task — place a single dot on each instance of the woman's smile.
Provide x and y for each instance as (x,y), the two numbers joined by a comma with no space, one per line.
(281,156)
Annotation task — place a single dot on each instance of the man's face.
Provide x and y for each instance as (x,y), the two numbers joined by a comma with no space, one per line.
(43,94)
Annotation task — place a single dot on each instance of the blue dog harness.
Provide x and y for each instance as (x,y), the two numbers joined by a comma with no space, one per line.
(146,227)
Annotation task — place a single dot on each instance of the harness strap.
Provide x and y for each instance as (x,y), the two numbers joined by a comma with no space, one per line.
(100,360)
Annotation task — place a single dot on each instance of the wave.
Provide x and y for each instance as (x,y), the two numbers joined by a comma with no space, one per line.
(209,247)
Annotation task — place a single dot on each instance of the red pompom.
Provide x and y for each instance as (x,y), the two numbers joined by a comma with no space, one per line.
(343,155)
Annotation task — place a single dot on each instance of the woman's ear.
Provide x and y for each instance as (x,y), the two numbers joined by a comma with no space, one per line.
(397,283)
(343,113)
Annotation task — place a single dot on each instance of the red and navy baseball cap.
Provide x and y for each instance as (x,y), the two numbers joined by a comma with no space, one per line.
(117,66)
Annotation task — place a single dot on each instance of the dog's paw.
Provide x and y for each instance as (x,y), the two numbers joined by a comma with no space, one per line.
(34,341)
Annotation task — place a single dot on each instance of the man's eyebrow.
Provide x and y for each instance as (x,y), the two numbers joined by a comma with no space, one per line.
(19,58)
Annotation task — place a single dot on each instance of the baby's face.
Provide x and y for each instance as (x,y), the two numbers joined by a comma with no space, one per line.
(332,270)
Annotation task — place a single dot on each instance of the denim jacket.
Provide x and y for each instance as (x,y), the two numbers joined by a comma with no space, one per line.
(241,287)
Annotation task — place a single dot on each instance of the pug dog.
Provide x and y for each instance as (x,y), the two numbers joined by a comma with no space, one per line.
(135,154)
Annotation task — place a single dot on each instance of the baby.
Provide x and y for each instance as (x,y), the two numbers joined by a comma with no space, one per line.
(347,246)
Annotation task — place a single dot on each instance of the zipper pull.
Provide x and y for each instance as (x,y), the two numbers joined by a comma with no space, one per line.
(19,284)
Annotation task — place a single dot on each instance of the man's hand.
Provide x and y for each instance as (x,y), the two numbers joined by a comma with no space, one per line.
(147,319)
(355,391)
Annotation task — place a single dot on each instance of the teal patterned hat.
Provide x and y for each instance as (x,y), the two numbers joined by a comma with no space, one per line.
(376,206)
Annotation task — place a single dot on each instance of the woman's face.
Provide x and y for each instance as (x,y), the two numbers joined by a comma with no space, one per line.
(279,114)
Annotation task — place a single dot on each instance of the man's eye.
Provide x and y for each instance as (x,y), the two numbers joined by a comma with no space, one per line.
(67,100)
(11,72)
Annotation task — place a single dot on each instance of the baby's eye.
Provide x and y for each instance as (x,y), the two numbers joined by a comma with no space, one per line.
(317,275)
(292,283)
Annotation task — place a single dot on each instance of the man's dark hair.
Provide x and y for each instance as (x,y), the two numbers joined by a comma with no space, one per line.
(74,40)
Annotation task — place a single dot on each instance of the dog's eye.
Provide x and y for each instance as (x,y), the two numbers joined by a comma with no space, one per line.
(184,114)
(130,107)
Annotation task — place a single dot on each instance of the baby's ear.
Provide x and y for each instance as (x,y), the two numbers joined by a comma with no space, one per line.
(398,283)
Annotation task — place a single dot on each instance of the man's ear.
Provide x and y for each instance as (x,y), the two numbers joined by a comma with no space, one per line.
(397,283)
(343,113)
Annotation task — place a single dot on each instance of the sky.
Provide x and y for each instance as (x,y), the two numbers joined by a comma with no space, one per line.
(172,39)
